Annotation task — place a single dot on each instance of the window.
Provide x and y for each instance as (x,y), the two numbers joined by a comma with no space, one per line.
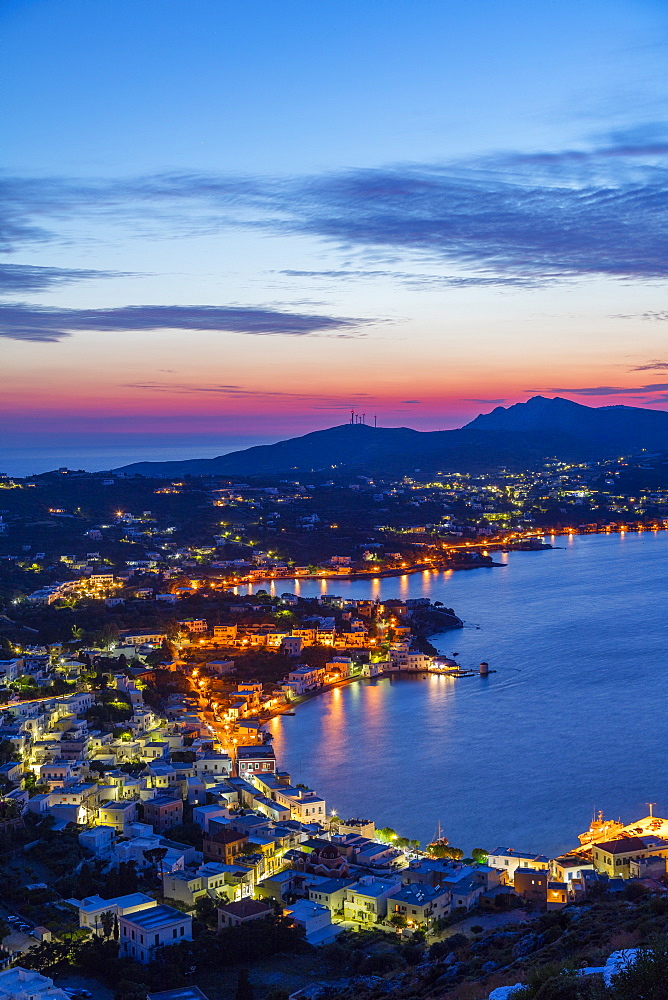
(157,939)
(183,930)
(174,932)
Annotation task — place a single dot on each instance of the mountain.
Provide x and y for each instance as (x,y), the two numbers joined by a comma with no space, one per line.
(517,436)
(621,429)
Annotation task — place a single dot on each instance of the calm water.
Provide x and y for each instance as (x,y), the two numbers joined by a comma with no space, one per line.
(573,719)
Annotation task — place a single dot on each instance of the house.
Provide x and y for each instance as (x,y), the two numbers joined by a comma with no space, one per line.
(221,667)
(613,857)
(222,845)
(139,638)
(242,912)
(409,659)
(147,929)
(134,849)
(210,879)
(202,815)
(23,984)
(653,867)
(365,902)
(569,867)
(197,625)
(304,678)
(510,859)
(98,840)
(226,633)
(162,812)
(419,904)
(329,892)
(214,763)
(117,814)
(10,670)
(316,920)
(557,895)
(304,805)
(12,772)
(531,884)
(280,885)
(91,908)
(254,759)
(292,645)
(465,885)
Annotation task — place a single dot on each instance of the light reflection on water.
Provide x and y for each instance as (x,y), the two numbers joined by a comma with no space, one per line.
(572,720)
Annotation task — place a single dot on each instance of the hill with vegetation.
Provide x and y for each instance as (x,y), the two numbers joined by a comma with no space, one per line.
(519,436)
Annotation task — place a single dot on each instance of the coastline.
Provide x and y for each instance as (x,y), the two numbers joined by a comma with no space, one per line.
(384,573)
(492,546)
(309,695)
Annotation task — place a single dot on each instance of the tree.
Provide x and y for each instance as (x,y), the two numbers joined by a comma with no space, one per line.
(7,751)
(122,881)
(398,920)
(206,911)
(186,833)
(479,855)
(117,929)
(646,978)
(156,856)
(128,990)
(440,850)
(244,987)
(107,921)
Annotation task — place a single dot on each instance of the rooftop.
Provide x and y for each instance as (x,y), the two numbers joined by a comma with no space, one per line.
(246,908)
(92,903)
(625,845)
(509,852)
(376,887)
(155,917)
(417,893)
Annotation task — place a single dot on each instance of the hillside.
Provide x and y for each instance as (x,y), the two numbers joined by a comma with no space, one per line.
(357,447)
(622,429)
(517,436)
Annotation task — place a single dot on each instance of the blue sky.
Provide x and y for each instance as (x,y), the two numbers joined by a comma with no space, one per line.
(210,206)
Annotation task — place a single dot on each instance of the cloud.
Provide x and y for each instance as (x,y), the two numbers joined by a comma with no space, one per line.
(411,401)
(469,400)
(651,366)
(19,321)
(412,280)
(657,317)
(507,220)
(30,278)
(609,390)
(311,400)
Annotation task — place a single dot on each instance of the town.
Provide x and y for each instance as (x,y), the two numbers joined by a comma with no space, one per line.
(73,538)
(145,822)
(143,807)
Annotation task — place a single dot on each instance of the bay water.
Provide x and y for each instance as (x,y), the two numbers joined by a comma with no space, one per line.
(573,719)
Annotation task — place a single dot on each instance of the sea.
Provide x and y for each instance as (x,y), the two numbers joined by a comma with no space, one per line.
(571,720)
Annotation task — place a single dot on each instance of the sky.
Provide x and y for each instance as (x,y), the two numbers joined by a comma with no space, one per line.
(225,223)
